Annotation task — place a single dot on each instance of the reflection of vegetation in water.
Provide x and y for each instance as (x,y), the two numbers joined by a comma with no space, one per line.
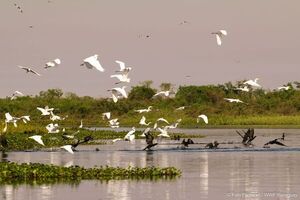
(36,173)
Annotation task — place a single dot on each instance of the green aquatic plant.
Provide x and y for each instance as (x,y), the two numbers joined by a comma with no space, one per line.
(31,173)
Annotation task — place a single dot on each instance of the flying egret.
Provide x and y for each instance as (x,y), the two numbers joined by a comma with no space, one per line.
(15,94)
(284,88)
(116,91)
(145,131)
(38,139)
(54,117)
(18,8)
(68,148)
(174,125)
(25,118)
(106,115)
(92,62)
(52,128)
(113,123)
(144,110)
(162,93)
(244,89)
(123,68)
(252,82)
(81,124)
(180,108)
(53,63)
(46,110)
(162,120)
(11,119)
(123,78)
(204,117)
(130,135)
(233,100)
(143,121)
(163,132)
(27,69)
(219,35)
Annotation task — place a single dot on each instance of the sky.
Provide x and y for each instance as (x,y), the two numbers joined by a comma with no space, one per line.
(262,42)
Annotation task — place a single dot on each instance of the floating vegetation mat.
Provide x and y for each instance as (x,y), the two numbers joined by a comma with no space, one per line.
(37,173)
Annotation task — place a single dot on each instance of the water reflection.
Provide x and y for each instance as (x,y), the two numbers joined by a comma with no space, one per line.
(206,175)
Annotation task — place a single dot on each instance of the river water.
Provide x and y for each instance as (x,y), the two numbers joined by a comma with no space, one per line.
(226,173)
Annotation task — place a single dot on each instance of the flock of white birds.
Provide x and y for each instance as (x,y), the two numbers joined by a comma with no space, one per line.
(92,62)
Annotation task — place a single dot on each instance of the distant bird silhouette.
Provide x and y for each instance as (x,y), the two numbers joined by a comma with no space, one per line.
(27,69)
(149,141)
(212,145)
(283,136)
(186,143)
(85,140)
(274,142)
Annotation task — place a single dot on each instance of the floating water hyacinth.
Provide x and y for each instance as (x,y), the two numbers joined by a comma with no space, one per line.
(40,173)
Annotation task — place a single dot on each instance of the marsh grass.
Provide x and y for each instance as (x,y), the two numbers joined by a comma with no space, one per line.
(37,173)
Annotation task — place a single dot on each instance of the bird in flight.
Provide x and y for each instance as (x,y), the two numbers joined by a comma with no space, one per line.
(219,35)
(92,62)
(204,117)
(53,63)
(27,69)
(233,100)
(252,82)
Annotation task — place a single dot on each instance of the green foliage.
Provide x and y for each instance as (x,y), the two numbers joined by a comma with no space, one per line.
(141,93)
(42,173)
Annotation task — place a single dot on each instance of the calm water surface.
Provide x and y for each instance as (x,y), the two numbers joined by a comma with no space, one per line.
(205,174)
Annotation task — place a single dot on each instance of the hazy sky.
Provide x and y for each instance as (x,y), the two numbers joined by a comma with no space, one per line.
(263,41)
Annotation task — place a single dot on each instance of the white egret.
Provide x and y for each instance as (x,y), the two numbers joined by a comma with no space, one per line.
(116,91)
(38,139)
(145,131)
(162,120)
(162,93)
(219,35)
(130,135)
(25,118)
(144,110)
(68,148)
(123,68)
(143,121)
(52,128)
(11,119)
(284,88)
(204,117)
(92,62)
(252,82)
(81,124)
(123,78)
(15,94)
(54,117)
(244,89)
(106,115)
(46,110)
(113,123)
(233,100)
(180,108)
(53,63)
(27,69)
(163,132)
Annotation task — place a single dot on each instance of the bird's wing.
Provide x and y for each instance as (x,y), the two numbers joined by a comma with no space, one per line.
(118,76)
(8,117)
(163,120)
(122,65)
(219,41)
(38,139)
(68,148)
(34,72)
(49,64)
(94,63)
(114,97)
(279,143)
(25,68)
(122,92)
(117,139)
(223,32)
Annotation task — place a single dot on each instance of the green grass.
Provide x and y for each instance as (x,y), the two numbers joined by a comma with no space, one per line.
(36,173)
